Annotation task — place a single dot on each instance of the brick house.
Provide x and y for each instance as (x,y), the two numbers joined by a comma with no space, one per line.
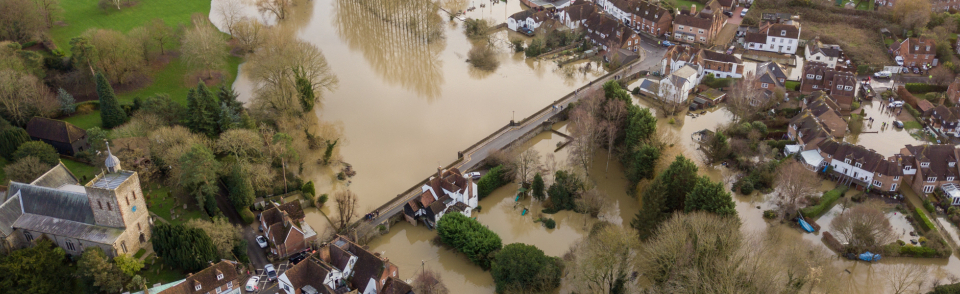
(63,136)
(769,77)
(692,26)
(575,15)
(825,110)
(722,65)
(220,278)
(605,31)
(775,37)
(651,18)
(916,51)
(942,118)
(284,228)
(839,85)
(936,165)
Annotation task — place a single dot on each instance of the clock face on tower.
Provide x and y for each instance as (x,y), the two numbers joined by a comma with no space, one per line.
(134,208)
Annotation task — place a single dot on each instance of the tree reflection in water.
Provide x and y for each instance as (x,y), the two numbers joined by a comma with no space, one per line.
(401,40)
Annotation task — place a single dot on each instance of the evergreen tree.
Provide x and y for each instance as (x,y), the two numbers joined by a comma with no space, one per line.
(665,195)
(228,118)
(66,101)
(329,152)
(10,141)
(523,268)
(189,249)
(644,163)
(41,269)
(305,92)
(204,111)
(538,187)
(198,175)
(711,197)
(230,97)
(39,149)
(241,189)
(111,114)
(640,126)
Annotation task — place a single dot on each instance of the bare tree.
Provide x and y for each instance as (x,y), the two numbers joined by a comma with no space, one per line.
(50,9)
(795,182)
(249,33)
(273,67)
(204,48)
(231,12)
(526,164)
(21,21)
(745,100)
(585,130)
(26,169)
(429,282)
(346,209)
(241,143)
(591,202)
(902,276)
(864,228)
(116,54)
(23,96)
(161,33)
(613,113)
(941,75)
(608,254)
(912,14)
(278,8)
(223,234)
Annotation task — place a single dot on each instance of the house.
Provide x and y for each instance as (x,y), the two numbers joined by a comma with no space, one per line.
(708,98)
(856,165)
(677,56)
(944,119)
(108,212)
(311,276)
(936,165)
(448,191)
(284,228)
(697,27)
(219,278)
(770,76)
(775,37)
(953,91)
(916,51)
(63,136)
(619,9)
(839,85)
(396,286)
(574,15)
(727,5)
(826,112)
(944,5)
(605,31)
(825,53)
(342,266)
(651,18)
(527,19)
(370,271)
(676,86)
(722,65)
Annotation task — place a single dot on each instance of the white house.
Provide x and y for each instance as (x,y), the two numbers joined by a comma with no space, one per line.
(526,19)
(775,37)
(826,53)
(310,271)
(573,16)
(448,191)
(676,86)
(678,56)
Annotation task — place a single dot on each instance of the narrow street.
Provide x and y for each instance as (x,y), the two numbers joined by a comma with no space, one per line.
(257,255)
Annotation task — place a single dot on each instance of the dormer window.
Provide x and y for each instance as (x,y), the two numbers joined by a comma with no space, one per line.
(916,48)
(931,179)
(819,77)
(924,164)
(908,167)
(949,178)
(839,87)
(810,76)
(197,287)
(928,47)
(848,88)
(953,163)
(219,277)
(859,164)
(847,161)
(783,33)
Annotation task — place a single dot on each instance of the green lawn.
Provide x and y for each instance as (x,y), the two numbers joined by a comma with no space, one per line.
(83,171)
(160,201)
(85,121)
(912,125)
(155,271)
(80,15)
(792,85)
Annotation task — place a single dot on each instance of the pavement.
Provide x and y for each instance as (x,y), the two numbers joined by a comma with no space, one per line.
(650,59)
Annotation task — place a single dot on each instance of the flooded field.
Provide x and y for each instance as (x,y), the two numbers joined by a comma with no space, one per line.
(408,101)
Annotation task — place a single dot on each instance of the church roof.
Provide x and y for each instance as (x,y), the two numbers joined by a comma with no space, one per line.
(56,177)
(10,210)
(67,228)
(63,204)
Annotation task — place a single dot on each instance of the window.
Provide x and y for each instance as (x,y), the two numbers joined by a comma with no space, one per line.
(848,88)
(680,28)
(197,287)
(815,86)
(953,163)
(218,290)
(810,76)
(100,203)
(949,178)
(109,207)
(931,179)
(70,246)
(847,161)
(839,87)
(700,31)
(877,183)
(219,277)
(229,285)
(859,164)
(928,189)
(893,187)
(764,85)
(128,201)
(818,58)
(783,32)
(134,195)
(28,236)
(123,246)
(924,164)
(819,77)
(896,178)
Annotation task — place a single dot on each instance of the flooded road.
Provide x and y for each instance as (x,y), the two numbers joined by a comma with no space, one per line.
(885,140)
(408,101)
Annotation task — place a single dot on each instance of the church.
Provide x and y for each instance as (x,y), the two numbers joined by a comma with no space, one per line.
(108,212)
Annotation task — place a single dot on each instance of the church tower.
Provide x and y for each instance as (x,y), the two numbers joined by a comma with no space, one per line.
(115,195)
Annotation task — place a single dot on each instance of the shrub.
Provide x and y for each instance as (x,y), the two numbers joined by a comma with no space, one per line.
(483,57)
(10,140)
(924,221)
(826,202)
(770,214)
(929,206)
(917,251)
(38,149)
(308,190)
(247,215)
(636,91)
(912,111)
(323,199)
(524,268)
(779,144)
(469,237)
(490,181)
(550,223)
(924,88)
(746,187)
(517,45)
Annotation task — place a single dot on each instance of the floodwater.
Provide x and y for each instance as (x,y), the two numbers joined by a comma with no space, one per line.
(408,102)
(885,140)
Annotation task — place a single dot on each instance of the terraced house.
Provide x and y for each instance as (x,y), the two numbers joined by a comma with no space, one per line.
(610,34)
(936,165)
(575,15)
(343,267)
(839,85)
(284,228)
(219,278)
(694,26)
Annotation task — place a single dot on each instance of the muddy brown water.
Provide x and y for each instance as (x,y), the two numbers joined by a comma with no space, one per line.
(409,102)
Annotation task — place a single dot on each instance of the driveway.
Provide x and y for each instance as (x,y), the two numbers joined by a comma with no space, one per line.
(257,255)
(264,285)
(736,19)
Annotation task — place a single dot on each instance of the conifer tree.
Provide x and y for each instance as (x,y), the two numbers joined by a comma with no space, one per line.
(204,111)
(111,114)
(10,140)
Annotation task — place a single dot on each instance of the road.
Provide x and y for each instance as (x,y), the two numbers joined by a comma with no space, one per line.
(257,255)
(650,59)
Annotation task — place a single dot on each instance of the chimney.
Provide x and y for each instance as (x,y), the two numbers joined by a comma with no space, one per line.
(693,9)
(286,220)
(440,172)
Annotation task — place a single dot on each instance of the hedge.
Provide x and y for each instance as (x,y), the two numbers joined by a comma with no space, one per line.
(470,237)
(924,220)
(826,202)
(247,215)
(490,181)
(917,251)
(779,144)
(832,242)
(924,88)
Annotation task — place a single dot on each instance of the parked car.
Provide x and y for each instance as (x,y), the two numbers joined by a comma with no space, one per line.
(667,44)
(899,60)
(730,50)
(898,124)
(882,74)
(895,104)
(728,14)
(299,256)
(262,241)
(526,31)
(271,272)
(743,13)
(252,284)
(474,175)
(916,70)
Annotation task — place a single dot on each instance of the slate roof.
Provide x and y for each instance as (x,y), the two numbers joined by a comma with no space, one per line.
(938,155)
(578,12)
(67,228)
(396,286)
(340,256)
(10,210)
(650,11)
(309,272)
(775,30)
(67,205)
(773,68)
(889,168)
(54,130)
(868,159)
(522,15)
(293,209)
(815,46)
(944,114)
(56,177)
(692,21)
(207,279)
(368,267)
(755,37)
(721,57)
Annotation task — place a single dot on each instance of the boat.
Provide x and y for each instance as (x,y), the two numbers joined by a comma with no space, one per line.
(806,226)
(867,256)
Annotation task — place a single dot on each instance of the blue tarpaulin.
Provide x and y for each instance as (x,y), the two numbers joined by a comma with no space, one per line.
(867,256)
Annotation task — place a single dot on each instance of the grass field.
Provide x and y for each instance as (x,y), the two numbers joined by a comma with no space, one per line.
(84,172)
(160,202)
(81,15)
(912,125)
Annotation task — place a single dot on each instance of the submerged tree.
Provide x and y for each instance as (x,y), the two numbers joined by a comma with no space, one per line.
(276,67)
(346,209)
(863,228)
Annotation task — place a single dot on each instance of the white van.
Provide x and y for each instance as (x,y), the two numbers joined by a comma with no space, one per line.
(895,104)
(882,74)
